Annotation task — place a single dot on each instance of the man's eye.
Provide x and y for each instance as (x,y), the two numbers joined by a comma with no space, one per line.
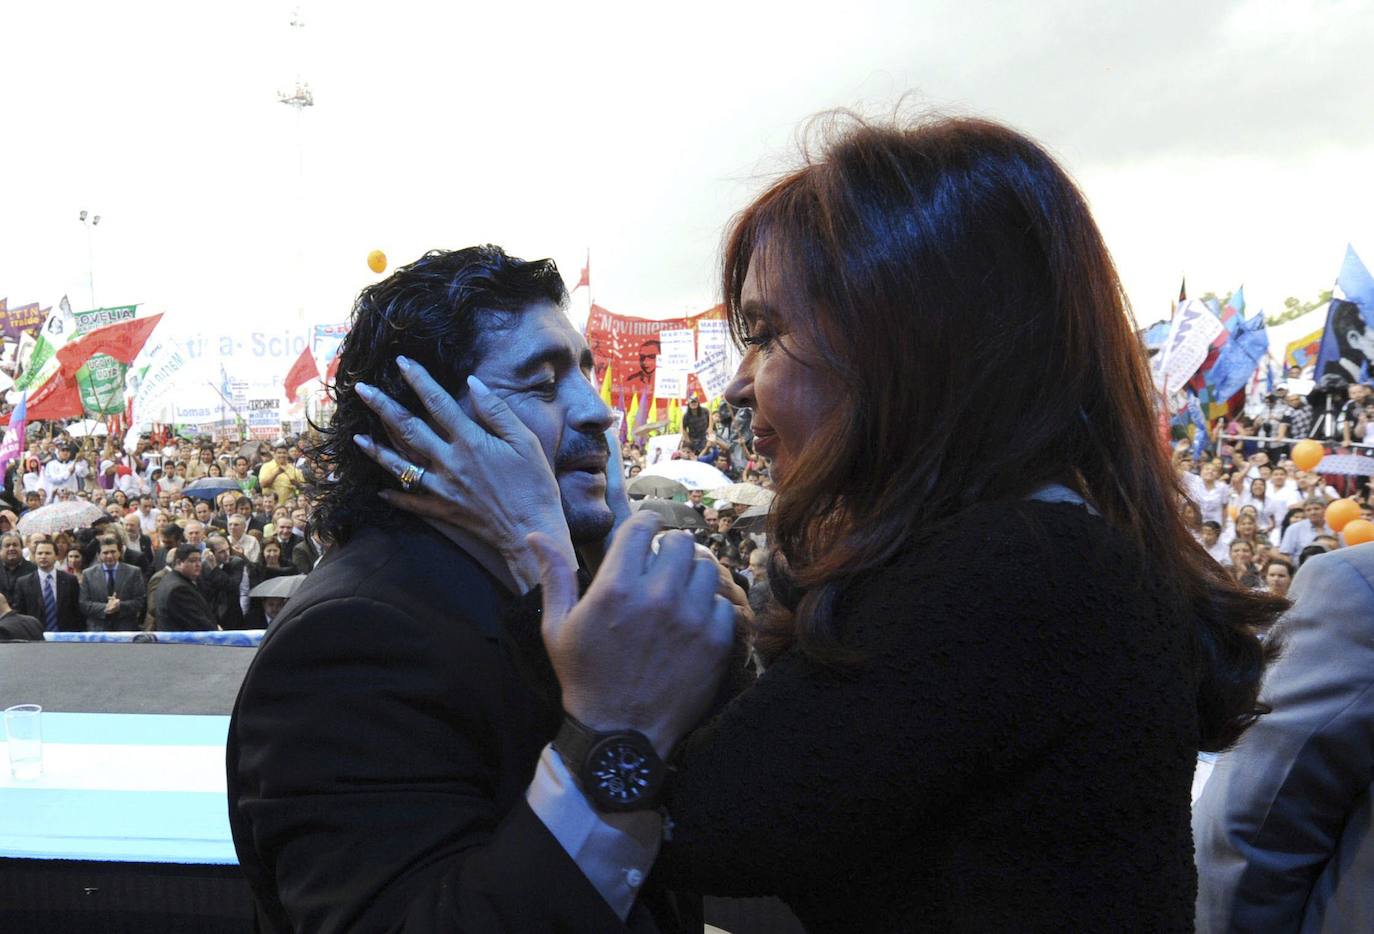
(548,389)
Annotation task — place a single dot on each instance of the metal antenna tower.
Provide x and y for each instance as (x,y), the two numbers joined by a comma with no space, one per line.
(299,98)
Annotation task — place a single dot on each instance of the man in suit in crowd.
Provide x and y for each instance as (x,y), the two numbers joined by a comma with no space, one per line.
(138,548)
(13,565)
(16,627)
(384,741)
(113,593)
(225,585)
(1284,829)
(49,593)
(181,607)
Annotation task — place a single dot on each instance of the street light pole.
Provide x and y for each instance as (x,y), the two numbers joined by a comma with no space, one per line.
(90,222)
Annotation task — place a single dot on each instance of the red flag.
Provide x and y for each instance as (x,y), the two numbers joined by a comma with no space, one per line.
(302,372)
(58,397)
(122,341)
(586,278)
(332,371)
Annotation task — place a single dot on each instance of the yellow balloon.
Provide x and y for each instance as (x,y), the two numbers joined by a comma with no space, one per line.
(376,261)
(1308,454)
(1342,512)
(1358,532)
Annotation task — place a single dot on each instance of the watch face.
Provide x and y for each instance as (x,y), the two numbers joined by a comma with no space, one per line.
(621,773)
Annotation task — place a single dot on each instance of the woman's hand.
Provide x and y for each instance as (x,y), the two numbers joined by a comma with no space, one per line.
(489,477)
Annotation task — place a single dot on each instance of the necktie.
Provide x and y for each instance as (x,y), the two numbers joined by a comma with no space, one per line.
(109,576)
(49,605)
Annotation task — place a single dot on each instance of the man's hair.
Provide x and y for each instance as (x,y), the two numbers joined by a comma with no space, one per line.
(1213,525)
(108,540)
(4,539)
(434,311)
(173,535)
(183,552)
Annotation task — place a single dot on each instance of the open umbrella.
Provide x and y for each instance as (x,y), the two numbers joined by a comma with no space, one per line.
(661,487)
(743,494)
(278,586)
(674,515)
(210,487)
(1351,465)
(753,519)
(59,517)
(694,475)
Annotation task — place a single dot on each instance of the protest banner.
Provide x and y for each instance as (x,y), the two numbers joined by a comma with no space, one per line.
(1190,341)
(631,347)
(712,374)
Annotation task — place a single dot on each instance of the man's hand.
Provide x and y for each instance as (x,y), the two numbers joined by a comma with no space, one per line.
(645,648)
(111,606)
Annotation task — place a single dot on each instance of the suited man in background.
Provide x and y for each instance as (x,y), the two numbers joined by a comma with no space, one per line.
(1283,826)
(13,565)
(16,627)
(113,595)
(181,607)
(138,548)
(50,594)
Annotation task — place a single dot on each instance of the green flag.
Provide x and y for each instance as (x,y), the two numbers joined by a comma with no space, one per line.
(58,328)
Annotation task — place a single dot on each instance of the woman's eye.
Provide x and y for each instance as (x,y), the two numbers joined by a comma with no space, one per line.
(760,339)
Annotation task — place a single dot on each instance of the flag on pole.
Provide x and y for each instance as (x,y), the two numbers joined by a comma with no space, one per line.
(58,328)
(13,445)
(1349,324)
(606,387)
(122,341)
(301,372)
(631,417)
(586,278)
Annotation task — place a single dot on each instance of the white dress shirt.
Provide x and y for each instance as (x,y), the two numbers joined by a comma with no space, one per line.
(614,851)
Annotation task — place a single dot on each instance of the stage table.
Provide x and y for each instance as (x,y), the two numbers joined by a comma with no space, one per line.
(127,829)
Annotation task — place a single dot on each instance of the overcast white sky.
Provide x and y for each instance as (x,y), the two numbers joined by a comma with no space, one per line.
(1232,141)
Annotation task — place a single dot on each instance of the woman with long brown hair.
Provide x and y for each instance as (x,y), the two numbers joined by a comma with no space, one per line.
(994,649)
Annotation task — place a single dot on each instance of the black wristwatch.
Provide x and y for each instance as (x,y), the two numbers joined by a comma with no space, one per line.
(619,771)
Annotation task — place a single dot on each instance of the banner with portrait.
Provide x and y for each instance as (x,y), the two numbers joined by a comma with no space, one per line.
(634,347)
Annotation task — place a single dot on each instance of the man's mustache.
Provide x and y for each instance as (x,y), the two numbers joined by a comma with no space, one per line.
(580,448)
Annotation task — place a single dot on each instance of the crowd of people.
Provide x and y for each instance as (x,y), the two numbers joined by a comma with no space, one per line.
(162,548)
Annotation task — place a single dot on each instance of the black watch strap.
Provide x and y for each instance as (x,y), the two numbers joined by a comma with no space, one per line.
(618,771)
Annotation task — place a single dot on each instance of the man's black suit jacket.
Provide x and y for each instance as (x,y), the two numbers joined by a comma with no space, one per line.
(181,607)
(381,746)
(28,599)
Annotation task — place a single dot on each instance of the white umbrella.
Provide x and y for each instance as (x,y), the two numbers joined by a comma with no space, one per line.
(59,517)
(743,494)
(694,475)
(278,586)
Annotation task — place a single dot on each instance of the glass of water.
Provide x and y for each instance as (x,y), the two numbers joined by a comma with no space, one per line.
(24,733)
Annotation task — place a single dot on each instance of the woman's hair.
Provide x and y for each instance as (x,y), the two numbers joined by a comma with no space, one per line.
(968,309)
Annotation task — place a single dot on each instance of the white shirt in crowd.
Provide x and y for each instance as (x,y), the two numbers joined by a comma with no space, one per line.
(63,475)
(1211,503)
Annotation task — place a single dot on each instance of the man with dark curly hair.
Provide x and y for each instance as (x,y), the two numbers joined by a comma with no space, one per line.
(388,763)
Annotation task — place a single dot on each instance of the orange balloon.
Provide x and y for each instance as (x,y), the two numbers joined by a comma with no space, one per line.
(376,261)
(1340,512)
(1308,454)
(1359,531)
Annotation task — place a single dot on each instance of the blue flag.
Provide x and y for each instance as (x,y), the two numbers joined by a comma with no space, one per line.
(1239,356)
(1348,342)
(1200,439)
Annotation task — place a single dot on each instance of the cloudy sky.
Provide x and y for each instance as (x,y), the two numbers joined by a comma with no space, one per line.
(1231,141)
